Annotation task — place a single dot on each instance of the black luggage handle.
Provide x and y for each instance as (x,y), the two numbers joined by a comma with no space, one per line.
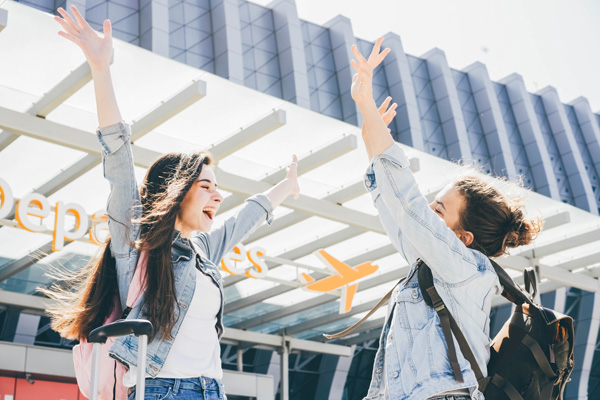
(121,328)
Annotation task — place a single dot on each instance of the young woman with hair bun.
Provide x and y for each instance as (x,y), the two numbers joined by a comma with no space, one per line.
(170,220)
(468,222)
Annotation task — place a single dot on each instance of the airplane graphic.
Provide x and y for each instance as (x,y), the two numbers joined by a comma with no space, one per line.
(342,277)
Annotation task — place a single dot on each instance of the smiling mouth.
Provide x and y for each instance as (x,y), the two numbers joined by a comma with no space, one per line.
(209,212)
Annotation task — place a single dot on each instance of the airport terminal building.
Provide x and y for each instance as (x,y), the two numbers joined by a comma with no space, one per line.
(254,85)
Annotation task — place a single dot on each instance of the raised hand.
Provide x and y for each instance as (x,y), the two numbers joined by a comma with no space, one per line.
(362,82)
(292,177)
(97,50)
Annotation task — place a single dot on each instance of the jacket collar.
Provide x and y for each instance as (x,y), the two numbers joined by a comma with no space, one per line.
(181,245)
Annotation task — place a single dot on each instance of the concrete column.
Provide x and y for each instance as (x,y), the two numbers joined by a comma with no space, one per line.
(27,328)
(531,135)
(154,26)
(275,370)
(448,104)
(227,40)
(490,115)
(342,38)
(340,376)
(586,339)
(397,72)
(579,180)
(290,45)
(591,135)
(240,359)
(285,371)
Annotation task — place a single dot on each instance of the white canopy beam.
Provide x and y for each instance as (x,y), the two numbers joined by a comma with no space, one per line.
(558,244)
(305,164)
(55,97)
(168,109)
(554,273)
(249,134)
(317,207)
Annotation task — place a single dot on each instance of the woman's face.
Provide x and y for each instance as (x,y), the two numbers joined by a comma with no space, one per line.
(200,204)
(448,205)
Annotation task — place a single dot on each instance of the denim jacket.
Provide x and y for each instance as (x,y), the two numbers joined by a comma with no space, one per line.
(412,362)
(123,206)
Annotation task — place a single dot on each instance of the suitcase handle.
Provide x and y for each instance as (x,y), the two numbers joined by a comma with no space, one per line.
(121,328)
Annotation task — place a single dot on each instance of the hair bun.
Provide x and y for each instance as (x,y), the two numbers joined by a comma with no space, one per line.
(521,231)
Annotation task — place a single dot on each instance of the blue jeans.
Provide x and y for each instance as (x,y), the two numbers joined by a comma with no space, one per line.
(451,397)
(182,389)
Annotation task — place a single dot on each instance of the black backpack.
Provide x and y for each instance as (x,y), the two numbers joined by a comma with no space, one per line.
(531,357)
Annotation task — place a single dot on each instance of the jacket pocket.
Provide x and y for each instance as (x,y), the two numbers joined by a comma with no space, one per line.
(413,313)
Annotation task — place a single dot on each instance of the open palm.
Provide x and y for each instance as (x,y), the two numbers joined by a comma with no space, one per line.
(97,50)
(362,82)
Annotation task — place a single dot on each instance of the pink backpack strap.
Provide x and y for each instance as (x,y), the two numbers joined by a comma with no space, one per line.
(138,284)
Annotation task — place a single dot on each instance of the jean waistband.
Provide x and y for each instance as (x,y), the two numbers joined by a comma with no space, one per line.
(202,382)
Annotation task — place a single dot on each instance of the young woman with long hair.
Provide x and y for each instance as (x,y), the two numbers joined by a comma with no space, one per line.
(468,222)
(170,219)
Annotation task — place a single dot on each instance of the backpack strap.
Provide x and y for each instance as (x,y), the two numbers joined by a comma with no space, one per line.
(512,292)
(449,325)
(137,285)
(530,281)
(356,325)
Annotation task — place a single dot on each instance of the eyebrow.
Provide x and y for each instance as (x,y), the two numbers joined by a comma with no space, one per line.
(207,180)
(442,204)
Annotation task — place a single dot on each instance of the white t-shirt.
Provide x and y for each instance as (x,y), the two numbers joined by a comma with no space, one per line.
(195,351)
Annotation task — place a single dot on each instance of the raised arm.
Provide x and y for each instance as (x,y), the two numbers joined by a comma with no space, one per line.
(123,203)
(414,229)
(258,209)
(387,114)
(98,52)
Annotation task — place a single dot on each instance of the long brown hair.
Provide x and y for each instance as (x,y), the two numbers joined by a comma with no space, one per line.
(496,221)
(87,297)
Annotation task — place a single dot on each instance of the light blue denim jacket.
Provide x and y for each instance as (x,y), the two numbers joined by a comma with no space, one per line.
(412,362)
(123,206)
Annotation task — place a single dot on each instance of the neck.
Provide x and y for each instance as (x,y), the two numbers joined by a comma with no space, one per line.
(185,231)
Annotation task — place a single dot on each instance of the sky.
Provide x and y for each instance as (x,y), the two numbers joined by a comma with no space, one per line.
(547,42)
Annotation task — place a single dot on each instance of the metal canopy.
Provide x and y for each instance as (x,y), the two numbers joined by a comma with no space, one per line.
(51,147)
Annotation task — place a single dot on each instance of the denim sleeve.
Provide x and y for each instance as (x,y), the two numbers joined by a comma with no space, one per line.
(411,225)
(221,240)
(124,199)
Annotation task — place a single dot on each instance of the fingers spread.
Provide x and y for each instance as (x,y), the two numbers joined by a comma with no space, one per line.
(82,22)
(69,20)
(381,57)
(376,48)
(67,27)
(356,68)
(72,38)
(384,105)
(359,57)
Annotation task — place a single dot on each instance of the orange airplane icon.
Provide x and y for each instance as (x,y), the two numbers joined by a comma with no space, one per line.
(343,275)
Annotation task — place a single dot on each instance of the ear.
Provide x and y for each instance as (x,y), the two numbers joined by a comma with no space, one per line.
(466,237)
